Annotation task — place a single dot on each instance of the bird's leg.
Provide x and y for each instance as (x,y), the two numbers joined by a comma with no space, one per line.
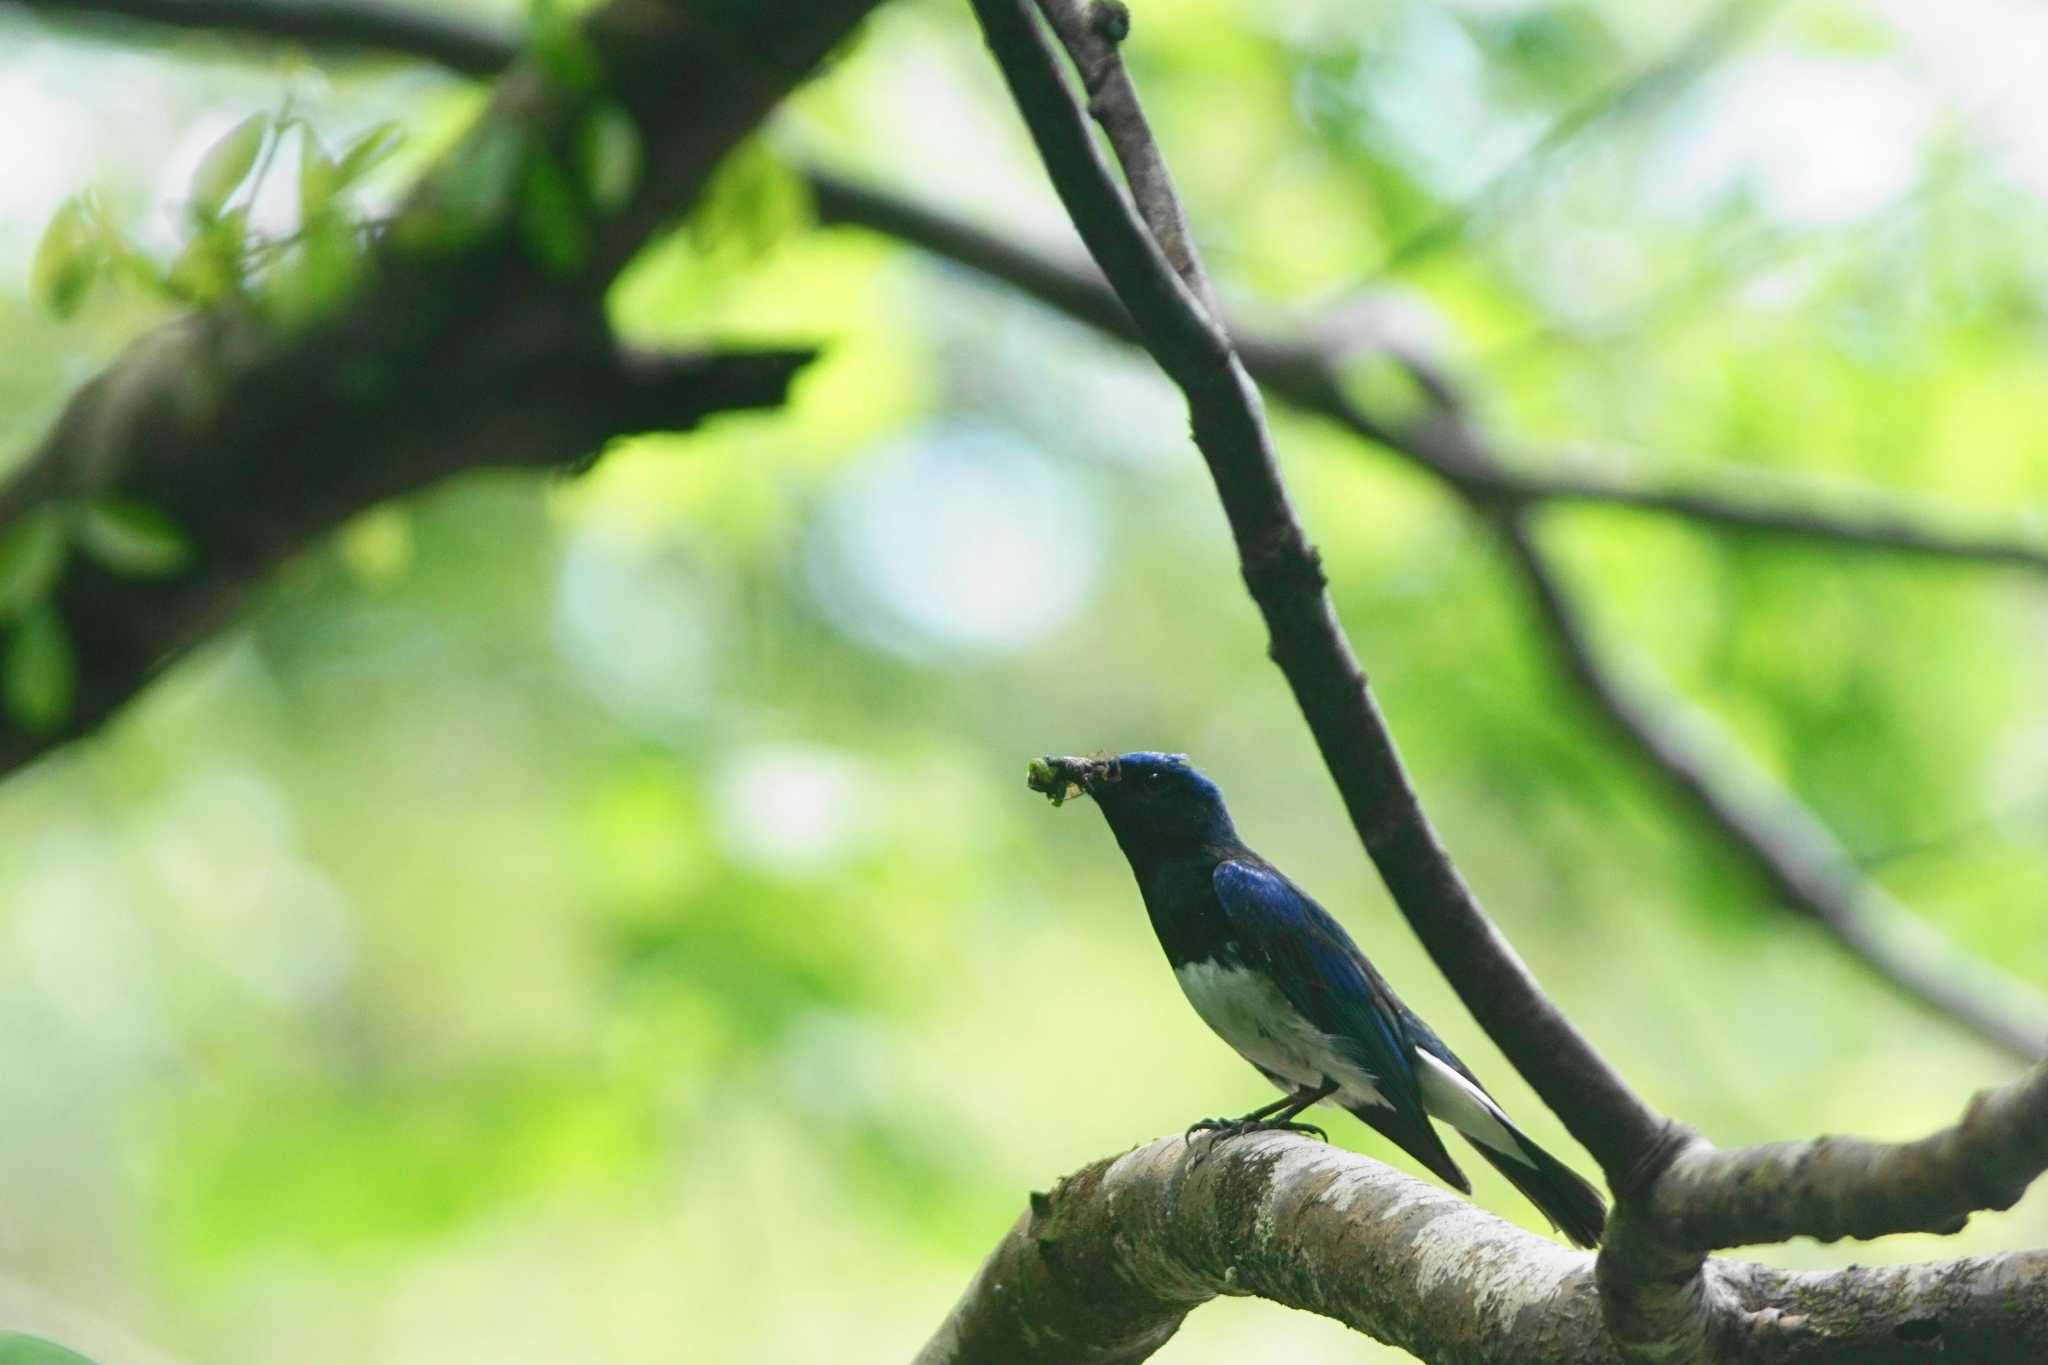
(1302,1099)
(1275,1117)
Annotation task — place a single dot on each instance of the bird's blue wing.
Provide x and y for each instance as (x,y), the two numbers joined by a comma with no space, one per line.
(1295,942)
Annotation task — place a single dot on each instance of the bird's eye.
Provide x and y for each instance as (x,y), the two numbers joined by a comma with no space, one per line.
(1155,777)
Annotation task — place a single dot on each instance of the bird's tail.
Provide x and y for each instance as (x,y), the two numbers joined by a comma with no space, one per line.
(1571,1204)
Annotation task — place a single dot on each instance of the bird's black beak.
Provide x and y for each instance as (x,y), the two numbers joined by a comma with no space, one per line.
(1062,778)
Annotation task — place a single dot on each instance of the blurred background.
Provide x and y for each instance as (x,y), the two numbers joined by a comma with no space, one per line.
(603,919)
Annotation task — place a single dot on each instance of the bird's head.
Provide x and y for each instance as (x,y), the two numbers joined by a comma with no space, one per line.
(1148,798)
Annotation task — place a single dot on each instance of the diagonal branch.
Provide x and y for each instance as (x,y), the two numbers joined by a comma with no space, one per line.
(1090,33)
(1778,837)
(1286,581)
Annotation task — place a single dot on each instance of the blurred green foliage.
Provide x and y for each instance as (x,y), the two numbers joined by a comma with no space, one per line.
(604,919)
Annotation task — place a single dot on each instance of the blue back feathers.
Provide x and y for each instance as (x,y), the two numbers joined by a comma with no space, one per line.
(1281,932)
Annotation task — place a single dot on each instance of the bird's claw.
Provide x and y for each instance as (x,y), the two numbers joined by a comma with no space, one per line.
(1305,1129)
(1223,1130)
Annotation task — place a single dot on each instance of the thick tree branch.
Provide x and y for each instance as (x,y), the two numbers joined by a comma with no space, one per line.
(367,25)
(1286,581)
(1104,1267)
(467,345)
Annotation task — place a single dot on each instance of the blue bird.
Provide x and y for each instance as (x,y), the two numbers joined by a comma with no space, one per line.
(1279,980)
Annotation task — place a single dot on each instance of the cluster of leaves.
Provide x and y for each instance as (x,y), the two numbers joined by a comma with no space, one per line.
(38,674)
(291,278)
(302,274)
(507,179)
(550,195)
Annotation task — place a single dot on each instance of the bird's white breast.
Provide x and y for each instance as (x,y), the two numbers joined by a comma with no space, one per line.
(1248,1011)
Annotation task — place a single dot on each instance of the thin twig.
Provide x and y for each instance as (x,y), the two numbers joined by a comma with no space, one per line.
(1885,527)
(1091,30)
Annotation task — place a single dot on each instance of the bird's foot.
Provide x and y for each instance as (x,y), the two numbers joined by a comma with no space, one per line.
(1222,1130)
(1209,1126)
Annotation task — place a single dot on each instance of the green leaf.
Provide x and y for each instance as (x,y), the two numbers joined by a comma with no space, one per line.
(551,219)
(31,556)
(132,538)
(319,176)
(227,164)
(608,158)
(38,675)
(753,201)
(17,1349)
(68,259)
(318,275)
(210,266)
(368,152)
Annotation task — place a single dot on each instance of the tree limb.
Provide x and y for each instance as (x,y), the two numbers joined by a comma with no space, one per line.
(1833,1187)
(1104,1267)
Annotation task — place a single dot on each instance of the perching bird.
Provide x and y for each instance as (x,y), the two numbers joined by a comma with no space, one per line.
(1280,981)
